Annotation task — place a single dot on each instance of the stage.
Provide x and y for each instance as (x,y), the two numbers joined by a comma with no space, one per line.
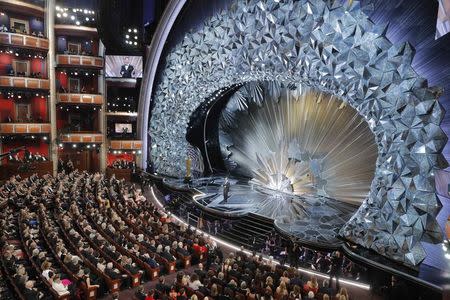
(312,219)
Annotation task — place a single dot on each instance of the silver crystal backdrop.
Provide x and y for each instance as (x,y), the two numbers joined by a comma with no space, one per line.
(338,50)
(299,141)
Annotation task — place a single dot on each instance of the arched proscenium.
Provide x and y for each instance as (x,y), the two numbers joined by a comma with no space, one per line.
(337,50)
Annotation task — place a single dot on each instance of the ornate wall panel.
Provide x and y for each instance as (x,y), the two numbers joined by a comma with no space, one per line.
(338,50)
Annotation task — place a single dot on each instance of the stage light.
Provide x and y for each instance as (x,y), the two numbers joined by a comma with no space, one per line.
(135,43)
(64,15)
(127,36)
(78,23)
(135,31)
(58,15)
(58,8)
(87,19)
(74,145)
(129,30)
(45,138)
(60,145)
(72,17)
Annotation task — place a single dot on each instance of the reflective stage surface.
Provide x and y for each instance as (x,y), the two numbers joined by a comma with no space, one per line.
(313,219)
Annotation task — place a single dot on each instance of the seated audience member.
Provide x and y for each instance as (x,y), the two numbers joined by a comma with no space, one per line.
(281,291)
(311,285)
(140,294)
(58,286)
(343,294)
(161,286)
(195,282)
(30,293)
(296,293)
(150,295)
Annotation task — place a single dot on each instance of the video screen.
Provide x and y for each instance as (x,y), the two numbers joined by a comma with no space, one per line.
(123,128)
(123,66)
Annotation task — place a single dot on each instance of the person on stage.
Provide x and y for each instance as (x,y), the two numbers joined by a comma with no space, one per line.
(226,189)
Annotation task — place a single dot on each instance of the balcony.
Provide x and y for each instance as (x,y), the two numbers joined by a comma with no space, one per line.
(24,128)
(34,8)
(75,30)
(67,60)
(80,98)
(82,137)
(125,145)
(23,41)
(24,83)
(122,114)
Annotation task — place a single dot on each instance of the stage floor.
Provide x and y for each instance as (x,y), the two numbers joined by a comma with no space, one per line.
(313,219)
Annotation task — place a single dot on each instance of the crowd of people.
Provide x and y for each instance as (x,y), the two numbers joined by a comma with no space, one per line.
(283,249)
(4,28)
(123,164)
(79,234)
(82,232)
(28,157)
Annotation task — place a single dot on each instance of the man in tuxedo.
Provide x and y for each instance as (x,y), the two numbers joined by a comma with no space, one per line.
(29,292)
(226,190)
(336,267)
(126,70)
(161,286)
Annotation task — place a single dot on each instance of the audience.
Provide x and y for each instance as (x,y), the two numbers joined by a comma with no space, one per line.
(82,231)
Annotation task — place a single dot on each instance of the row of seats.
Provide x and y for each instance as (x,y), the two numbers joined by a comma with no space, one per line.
(72,227)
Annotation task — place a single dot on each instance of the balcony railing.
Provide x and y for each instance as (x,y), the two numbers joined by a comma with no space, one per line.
(80,98)
(80,61)
(82,137)
(24,128)
(75,30)
(24,82)
(23,41)
(35,8)
(125,145)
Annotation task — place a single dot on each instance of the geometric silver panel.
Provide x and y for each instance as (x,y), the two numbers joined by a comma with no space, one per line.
(336,49)
(298,140)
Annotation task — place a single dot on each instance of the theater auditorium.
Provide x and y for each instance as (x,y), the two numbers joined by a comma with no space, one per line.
(224,149)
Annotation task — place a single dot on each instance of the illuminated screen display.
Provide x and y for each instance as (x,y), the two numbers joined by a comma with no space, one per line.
(123,128)
(123,66)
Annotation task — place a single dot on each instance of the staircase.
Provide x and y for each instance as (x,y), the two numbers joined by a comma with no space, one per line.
(250,231)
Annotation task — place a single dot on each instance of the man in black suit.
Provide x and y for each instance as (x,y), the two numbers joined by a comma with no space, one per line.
(200,272)
(336,267)
(29,292)
(161,286)
(111,272)
(126,70)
